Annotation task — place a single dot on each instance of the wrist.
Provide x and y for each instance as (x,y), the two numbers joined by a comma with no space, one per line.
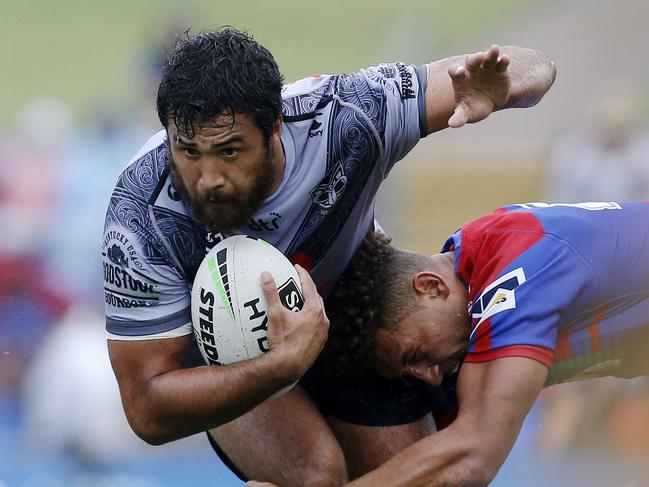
(281,368)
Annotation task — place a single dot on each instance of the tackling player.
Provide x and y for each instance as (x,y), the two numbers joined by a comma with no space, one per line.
(298,166)
(530,295)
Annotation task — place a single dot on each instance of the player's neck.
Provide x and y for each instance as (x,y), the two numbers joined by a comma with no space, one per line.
(277,159)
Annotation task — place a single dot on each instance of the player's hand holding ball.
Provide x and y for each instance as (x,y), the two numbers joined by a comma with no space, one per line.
(248,302)
(296,337)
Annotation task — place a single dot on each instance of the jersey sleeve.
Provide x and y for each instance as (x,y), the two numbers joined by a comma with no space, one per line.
(145,293)
(392,97)
(519,313)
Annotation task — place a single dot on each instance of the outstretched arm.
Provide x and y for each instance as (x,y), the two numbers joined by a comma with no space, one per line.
(494,399)
(466,89)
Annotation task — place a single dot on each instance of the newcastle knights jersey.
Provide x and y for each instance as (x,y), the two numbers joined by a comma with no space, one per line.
(564,284)
(341,136)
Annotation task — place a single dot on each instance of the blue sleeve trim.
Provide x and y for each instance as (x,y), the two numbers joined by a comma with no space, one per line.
(149,327)
(422,76)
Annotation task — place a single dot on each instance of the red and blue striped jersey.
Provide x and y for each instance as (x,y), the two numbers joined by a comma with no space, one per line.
(563,284)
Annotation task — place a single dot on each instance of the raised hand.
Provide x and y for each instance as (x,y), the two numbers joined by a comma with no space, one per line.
(296,338)
(481,86)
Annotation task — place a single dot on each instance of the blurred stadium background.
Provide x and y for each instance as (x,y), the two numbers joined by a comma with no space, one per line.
(78,89)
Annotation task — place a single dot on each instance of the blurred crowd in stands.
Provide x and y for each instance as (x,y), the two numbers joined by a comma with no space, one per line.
(57,392)
(61,419)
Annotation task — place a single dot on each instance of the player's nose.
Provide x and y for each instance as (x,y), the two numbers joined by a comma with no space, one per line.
(212,176)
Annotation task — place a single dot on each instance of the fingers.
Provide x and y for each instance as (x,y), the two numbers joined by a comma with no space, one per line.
(457,73)
(502,64)
(309,289)
(269,289)
(308,286)
(491,57)
(458,118)
(489,60)
(474,61)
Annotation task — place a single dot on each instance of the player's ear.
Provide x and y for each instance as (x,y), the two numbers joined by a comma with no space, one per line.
(277,126)
(429,284)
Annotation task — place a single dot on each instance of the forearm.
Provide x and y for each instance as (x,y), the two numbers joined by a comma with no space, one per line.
(532,74)
(466,89)
(183,402)
(494,399)
(446,458)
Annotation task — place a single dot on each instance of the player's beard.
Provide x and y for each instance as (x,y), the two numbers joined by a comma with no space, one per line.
(218,213)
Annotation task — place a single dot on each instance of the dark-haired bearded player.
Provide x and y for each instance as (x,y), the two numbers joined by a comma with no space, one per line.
(298,166)
(530,295)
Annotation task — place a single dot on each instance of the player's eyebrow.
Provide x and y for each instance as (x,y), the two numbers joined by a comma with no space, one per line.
(230,140)
(184,142)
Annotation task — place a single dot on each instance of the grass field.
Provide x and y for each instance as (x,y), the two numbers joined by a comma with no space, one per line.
(87,51)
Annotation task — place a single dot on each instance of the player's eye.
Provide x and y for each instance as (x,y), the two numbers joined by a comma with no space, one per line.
(191,152)
(410,357)
(229,152)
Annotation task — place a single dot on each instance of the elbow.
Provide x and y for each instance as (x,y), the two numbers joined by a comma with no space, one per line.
(478,471)
(151,438)
(467,465)
(152,435)
(149,430)
(532,79)
(474,466)
(549,72)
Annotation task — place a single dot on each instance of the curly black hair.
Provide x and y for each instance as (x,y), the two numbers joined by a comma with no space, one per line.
(215,73)
(373,293)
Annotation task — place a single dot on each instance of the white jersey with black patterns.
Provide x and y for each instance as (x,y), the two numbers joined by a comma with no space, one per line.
(341,136)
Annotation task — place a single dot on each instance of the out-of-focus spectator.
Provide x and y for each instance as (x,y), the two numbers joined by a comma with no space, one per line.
(604,159)
(74,403)
(30,300)
(29,162)
(28,307)
(607,157)
(606,416)
(152,56)
(96,156)
(574,415)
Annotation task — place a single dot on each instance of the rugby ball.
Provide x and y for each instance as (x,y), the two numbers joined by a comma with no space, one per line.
(228,305)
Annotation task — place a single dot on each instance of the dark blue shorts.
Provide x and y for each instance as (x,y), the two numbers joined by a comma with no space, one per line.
(369,400)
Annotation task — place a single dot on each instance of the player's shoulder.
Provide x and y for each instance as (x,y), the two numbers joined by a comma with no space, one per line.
(405,82)
(144,172)
(505,220)
(156,140)
(137,188)
(312,84)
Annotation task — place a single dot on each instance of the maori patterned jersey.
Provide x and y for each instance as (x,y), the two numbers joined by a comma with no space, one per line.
(564,284)
(341,136)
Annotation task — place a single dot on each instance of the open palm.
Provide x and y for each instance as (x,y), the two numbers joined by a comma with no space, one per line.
(481,86)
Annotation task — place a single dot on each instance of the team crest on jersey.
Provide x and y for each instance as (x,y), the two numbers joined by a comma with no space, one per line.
(498,296)
(329,191)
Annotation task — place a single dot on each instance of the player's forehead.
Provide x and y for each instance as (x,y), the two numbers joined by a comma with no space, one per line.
(392,344)
(214,130)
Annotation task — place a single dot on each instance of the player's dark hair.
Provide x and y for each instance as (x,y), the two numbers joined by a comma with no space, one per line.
(374,292)
(221,72)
